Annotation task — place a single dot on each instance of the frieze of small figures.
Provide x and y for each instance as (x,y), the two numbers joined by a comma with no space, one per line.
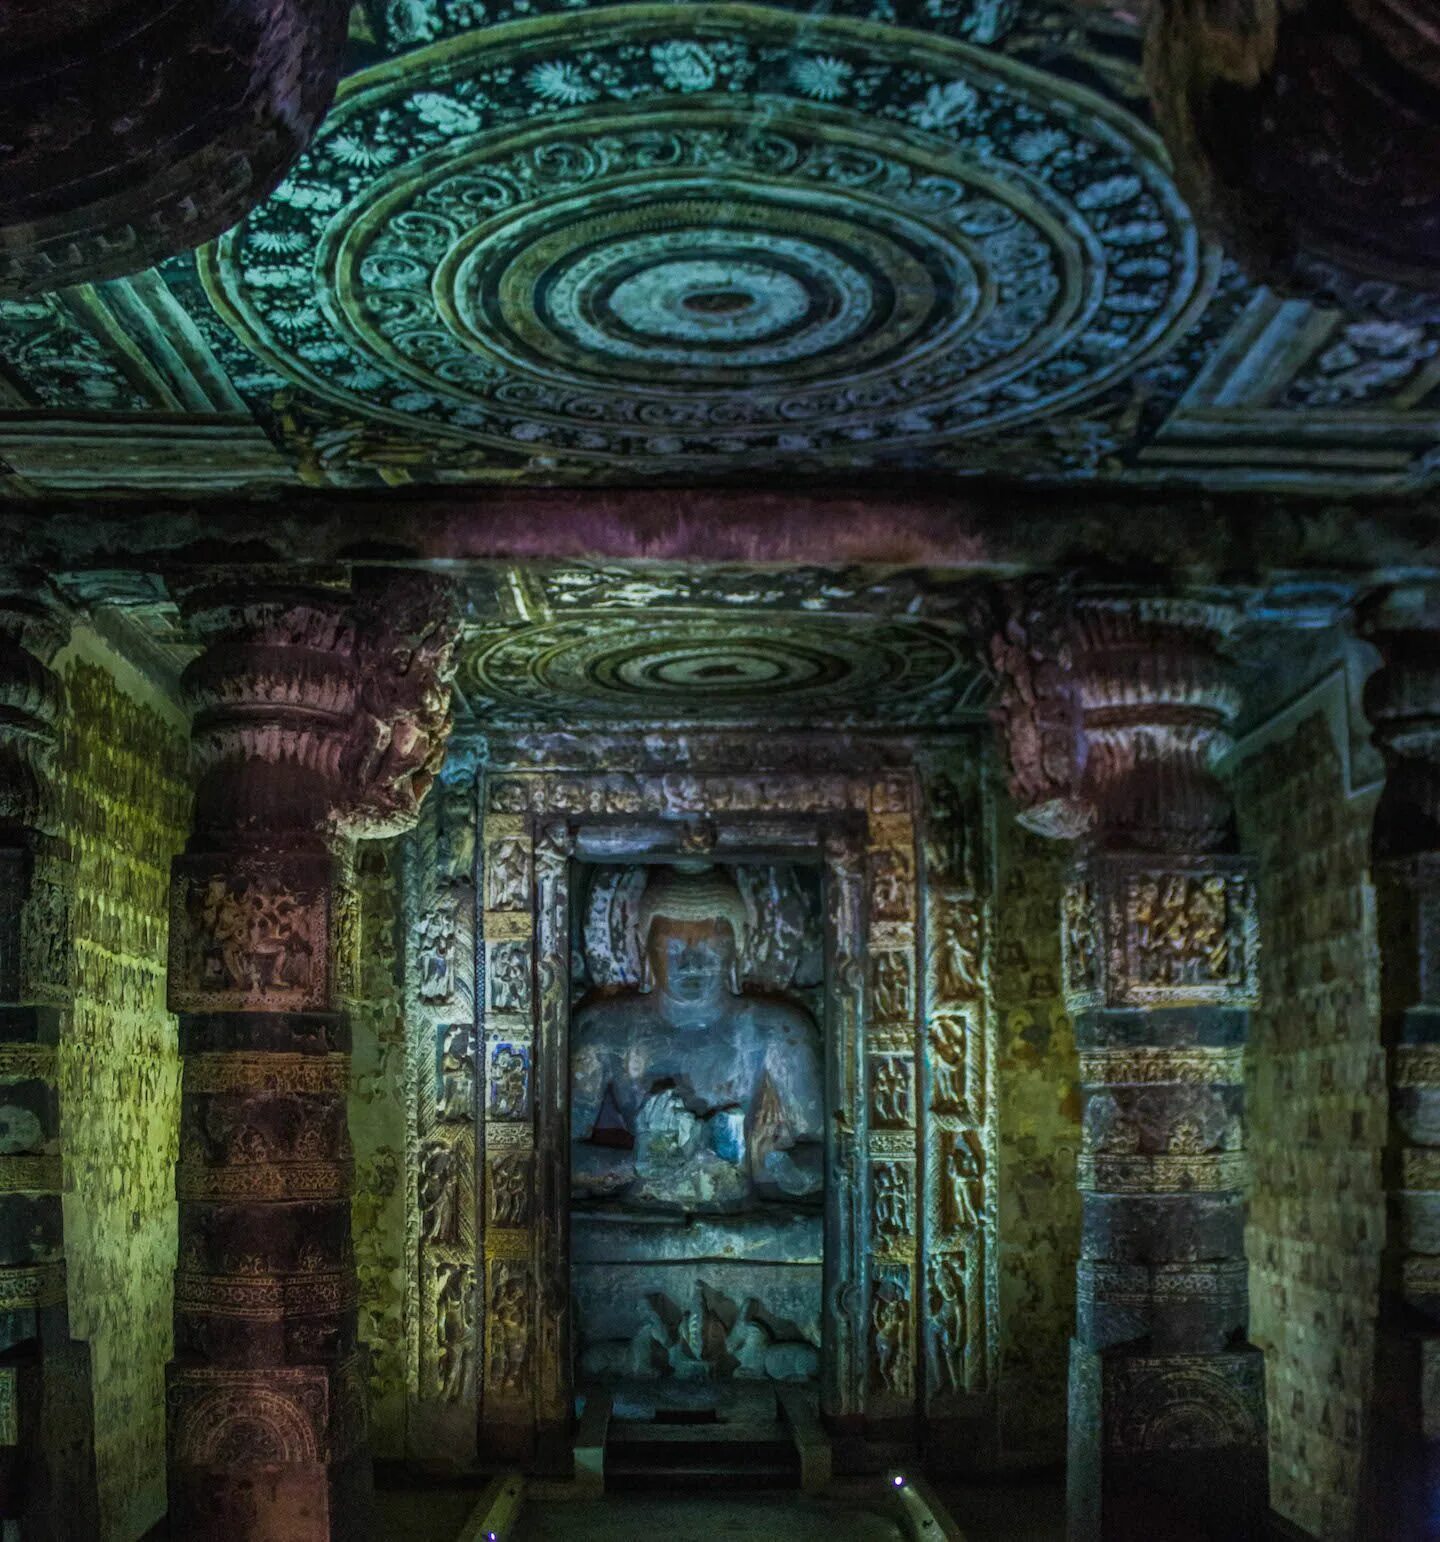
(1184,1402)
(1165,1173)
(30,1172)
(30,1286)
(513,1243)
(46,957)
(1145,1284)
(264,1297)
(506,827)
(265,1071)
(1420,1168)
(251,937)
(507,795)
(508,925)
(1153,1066)
(265,1181)
(899,1144)
(509,1137)
(890,1038)
(1140,933)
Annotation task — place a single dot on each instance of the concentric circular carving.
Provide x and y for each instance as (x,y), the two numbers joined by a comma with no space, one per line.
(616,243)
(719,668)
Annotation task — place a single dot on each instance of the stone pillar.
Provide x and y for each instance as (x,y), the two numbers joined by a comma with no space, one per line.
(1116,707)
(47,1471)
(1401,1474)
(318,714)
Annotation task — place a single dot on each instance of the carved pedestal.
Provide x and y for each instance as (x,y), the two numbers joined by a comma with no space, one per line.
(298,738)
(1402,1458)
(1116,733)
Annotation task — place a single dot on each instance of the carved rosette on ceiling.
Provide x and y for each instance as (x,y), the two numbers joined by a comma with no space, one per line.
(1308,137)
(135,129)
(586,249)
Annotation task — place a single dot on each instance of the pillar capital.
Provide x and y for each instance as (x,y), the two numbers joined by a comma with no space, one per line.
(1116,703)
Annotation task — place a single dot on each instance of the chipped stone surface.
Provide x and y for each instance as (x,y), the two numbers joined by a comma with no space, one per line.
(124,799)
(1315,1087)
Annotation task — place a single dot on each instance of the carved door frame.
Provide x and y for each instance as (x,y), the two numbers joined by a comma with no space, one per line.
(862,830)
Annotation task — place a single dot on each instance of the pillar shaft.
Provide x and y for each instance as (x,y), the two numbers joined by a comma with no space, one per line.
(1167,1408)
(315,717)
(1402,1459)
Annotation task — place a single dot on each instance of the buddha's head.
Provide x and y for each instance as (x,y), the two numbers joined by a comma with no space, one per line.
(692,923)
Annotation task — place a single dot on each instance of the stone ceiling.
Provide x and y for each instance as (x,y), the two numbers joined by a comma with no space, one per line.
(542,242)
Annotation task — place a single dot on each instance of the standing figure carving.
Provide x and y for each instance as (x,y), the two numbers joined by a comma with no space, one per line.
(687,1094)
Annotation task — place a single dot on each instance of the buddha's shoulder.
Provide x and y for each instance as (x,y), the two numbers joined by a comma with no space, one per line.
(609,1018)
(777,1019)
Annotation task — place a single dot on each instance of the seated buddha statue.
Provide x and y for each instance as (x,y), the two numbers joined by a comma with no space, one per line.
(687,1095)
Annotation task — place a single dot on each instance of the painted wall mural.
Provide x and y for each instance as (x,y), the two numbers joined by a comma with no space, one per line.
(599,242)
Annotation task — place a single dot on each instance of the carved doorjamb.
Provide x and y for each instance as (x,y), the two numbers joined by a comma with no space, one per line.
(907,1263)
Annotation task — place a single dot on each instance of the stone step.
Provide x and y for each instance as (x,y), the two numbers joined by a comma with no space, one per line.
(669,1457)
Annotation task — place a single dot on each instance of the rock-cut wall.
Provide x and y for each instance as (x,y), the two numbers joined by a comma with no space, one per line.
(124,804)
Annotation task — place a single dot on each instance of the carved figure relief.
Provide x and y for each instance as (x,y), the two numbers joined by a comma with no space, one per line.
(455,1079)
(949,1328)
(949,1067)
(892,986)
(890,1083)
(510,796)
(508,1329)
(961,1180)
(1080,937)
(949,839)
(507,1189)
(434,948)
(509,1081)
(958,952)
(890,1335)
(439,1193)
(1181,929)
(253,938)
(510,977)
(891,1190)
(892,891)
(507,875)
(455,1330)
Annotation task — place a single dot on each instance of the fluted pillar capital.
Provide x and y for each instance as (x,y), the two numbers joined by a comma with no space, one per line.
(1116,704)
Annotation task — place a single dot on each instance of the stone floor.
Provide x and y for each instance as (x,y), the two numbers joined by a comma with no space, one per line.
(624,1518)
(1008,1513)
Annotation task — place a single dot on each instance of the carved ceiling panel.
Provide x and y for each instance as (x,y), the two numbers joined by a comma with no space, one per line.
(610,243)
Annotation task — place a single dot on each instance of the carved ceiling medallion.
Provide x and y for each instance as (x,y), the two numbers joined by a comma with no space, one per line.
(632,241)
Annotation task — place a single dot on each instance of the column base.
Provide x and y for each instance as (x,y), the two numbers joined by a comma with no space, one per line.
(273,1454)
(1167,1446)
